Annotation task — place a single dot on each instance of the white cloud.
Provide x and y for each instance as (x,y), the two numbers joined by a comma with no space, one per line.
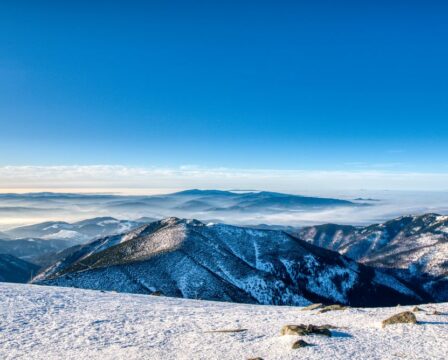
(128,179)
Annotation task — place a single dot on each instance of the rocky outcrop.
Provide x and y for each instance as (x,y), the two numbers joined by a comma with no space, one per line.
(405,317)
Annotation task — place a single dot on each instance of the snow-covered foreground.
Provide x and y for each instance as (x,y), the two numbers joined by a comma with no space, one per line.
(38,322)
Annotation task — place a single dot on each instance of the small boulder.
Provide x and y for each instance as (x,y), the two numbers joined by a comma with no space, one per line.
(304,330)
(312,307)
(405,317)
(416,309)
(255,358)
(157,293)
(300,344)
(292,330)
(332,308)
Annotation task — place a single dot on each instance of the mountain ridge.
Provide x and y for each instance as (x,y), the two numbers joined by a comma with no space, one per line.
(187,258)
(415,248)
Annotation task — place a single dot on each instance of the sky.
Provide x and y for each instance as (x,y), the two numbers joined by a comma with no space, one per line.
(348,94)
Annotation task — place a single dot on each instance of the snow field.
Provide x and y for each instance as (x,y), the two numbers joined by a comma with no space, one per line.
(39,322)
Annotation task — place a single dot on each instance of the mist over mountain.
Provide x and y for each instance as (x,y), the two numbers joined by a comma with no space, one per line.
(231,207)
(225,206)
(213,202)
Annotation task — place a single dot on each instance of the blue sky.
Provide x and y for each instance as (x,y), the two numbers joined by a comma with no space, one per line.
(288,85)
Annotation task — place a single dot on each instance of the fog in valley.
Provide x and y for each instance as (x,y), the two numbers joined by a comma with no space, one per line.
(235,207)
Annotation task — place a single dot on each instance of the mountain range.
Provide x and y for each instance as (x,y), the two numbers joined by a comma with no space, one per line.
(413,248)
(101,253)
(191,259)
(76,232)
(36,242)
(39,243)
(207,204)
(224,206)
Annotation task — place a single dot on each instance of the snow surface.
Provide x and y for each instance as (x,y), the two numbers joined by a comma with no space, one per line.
(39,322)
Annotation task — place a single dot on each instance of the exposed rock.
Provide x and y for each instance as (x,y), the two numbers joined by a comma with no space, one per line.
(435,312)
(332,308)
(312,307)
(299,344)
(303,330)
(401,318)
(416,309)
(255,358)
(157,293)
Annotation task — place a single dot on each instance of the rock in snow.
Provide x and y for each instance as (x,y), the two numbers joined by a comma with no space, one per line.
(405,317)
(187,258)
(299,344)
(41,322)
(303,330)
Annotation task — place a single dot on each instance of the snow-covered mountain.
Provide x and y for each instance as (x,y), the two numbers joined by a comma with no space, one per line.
(412,247)
(76,232)
(13,269)
(187,258)
(45,243)
(43,322)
